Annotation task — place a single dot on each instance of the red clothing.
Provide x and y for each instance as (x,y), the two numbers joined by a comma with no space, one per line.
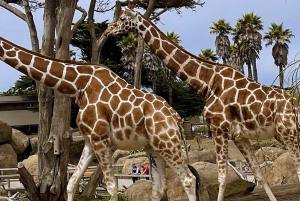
(146,169)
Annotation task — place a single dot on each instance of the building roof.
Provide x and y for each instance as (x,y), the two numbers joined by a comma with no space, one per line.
(20,117)
(15,99)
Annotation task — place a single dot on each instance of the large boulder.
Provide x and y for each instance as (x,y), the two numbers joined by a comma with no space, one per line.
(4,198)
(31,164)
(119,154)
(3,192)
(8,158)
(140,190)
(136,155)
(268,154)
(282,171)
(5,132)
(205,155)
(33,143)
(19,141)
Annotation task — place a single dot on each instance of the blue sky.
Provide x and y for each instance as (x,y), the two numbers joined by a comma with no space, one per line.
(191,26)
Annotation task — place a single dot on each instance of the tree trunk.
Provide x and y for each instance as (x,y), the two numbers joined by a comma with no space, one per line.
(45,102)
(249,70)
(140,51)
(255,75)
(138,63)
(281,77)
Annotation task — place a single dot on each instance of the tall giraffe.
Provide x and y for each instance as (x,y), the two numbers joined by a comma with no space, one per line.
(112,114)
(237,108)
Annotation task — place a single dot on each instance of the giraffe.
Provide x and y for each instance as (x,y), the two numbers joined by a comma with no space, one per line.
(112,115)
(237,108)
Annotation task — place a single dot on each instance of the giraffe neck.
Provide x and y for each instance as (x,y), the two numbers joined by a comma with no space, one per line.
(57,74)
(193,70)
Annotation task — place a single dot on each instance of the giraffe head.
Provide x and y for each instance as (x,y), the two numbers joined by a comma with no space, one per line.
(127,22)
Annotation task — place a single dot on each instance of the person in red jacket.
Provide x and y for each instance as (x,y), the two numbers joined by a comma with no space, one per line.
(145,170)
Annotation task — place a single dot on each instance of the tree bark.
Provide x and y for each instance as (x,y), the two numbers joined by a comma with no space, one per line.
(255,75)
(249,70)
(45,105)
(140,50)
(28,182)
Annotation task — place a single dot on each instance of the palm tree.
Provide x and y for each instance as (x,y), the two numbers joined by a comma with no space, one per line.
(222,43)
(128,49)
(281,38)
(234,59)
(209,54)
(248,39)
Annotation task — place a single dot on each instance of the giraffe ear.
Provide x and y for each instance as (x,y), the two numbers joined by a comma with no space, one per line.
(130,13)
(131,5)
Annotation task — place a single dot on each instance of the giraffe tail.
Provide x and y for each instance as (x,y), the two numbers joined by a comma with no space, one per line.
(198,184)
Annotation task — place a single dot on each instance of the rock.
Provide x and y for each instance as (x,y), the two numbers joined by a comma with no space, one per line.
(3,192)
(238,187)
(33,143)
(205,155)
(76,148)
(31,164)
(282,171)
(140,190)
(19,141)
(5,132)
(268,154)
(8,158)
(4,198)
(119,154)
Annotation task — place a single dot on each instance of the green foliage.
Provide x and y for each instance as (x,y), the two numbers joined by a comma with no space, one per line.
(23,86)
(208,54)
(185,100)
(110,52)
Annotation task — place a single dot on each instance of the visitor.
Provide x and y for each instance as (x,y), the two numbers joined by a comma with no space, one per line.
(145,170)
(134,170)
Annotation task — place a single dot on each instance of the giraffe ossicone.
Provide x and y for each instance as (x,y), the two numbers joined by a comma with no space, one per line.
(112,114)
(237,108)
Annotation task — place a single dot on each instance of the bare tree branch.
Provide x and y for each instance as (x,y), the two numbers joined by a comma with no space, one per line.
(166,3)
(155,16)
(80,21)
(13,10)
(31,26)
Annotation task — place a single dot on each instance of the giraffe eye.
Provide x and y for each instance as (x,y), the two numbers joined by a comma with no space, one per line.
(122,18)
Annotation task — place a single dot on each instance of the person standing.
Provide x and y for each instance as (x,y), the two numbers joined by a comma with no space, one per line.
(145,170)
(134,170)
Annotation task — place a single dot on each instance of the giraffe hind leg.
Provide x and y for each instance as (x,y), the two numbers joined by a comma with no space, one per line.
(178,166)
(246,149)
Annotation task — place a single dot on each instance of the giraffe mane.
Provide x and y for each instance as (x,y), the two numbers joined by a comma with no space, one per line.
(179,47)
(67,61)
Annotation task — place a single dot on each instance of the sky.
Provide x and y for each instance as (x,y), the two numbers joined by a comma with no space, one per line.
(191,26)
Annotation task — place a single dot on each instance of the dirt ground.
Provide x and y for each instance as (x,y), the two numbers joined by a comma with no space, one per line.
(287,192)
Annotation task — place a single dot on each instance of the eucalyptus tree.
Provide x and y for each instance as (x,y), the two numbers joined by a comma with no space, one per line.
(209,54)
(280,37)
(222,42)
(248,39)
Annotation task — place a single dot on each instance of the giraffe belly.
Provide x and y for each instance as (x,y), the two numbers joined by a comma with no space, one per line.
(134,142)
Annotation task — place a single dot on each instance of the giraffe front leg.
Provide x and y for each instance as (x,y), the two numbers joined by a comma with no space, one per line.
(85,159)
(246,149)
(221,146)
(104,156)
(158,175)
